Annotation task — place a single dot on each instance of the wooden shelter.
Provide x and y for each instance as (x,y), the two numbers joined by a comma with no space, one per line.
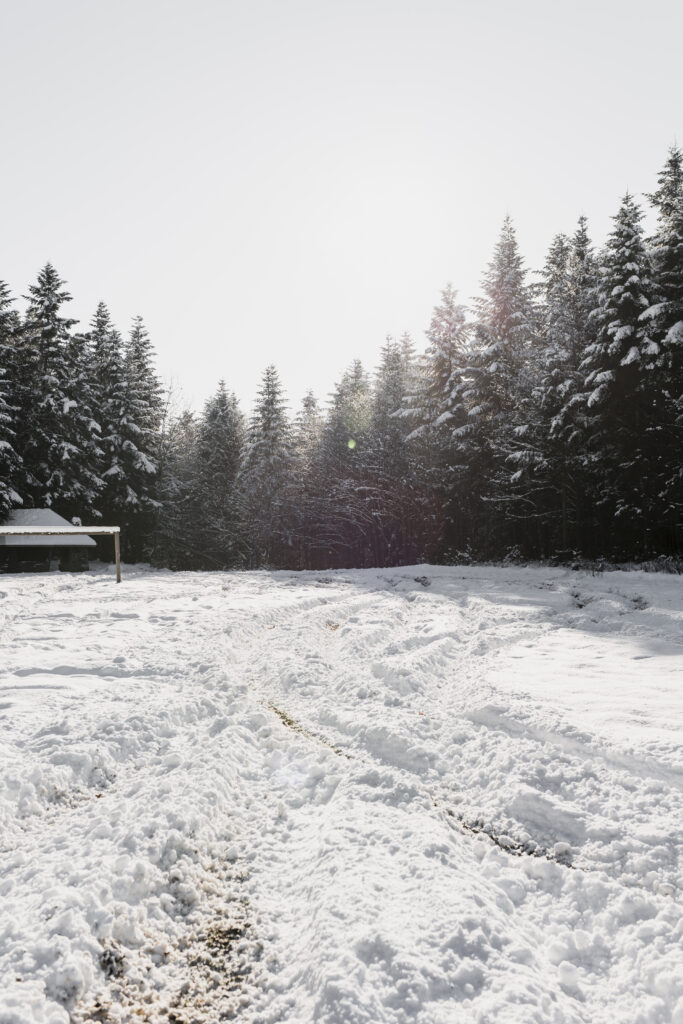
(33,537)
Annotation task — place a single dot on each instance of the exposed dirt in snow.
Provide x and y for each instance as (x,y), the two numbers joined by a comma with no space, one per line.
(423,794)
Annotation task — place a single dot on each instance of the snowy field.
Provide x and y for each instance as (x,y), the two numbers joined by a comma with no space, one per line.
(430,795)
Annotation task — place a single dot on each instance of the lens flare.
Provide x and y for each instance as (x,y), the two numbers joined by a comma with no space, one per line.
(352,443)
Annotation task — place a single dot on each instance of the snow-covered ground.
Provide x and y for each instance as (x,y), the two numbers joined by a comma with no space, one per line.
(431,795)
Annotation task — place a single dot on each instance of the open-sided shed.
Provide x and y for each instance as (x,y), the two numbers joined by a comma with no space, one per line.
(26,552)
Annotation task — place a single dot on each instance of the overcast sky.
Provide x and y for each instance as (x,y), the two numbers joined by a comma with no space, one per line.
(289,182)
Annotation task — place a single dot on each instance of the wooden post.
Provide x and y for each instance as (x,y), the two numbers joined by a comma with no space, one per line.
(117,556)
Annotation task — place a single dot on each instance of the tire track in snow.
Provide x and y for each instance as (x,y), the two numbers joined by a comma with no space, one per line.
(548,745)
(298,638)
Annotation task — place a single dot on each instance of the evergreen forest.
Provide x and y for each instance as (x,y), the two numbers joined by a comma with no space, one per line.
(543,420)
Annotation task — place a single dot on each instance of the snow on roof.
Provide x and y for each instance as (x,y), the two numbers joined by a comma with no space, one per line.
(42,517)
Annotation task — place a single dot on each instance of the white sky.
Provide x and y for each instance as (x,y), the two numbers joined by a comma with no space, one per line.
(288,181)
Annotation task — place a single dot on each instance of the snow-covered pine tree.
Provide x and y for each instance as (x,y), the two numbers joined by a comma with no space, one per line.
(494,394)
(665,319)
(429,405)
(583,277)
(175,536)
(108,388)
(144,397)
(620,390)
(308,425)
(666,315)
(505,331)
(265,480)
(440,414)
(537,456)
(554,458)
(390,495)
(10,461)
(447,351)
(54,434)
(123,466)
(348,421)
(85,428)
(388,455)
(344,529)
(220,538)
(147,393)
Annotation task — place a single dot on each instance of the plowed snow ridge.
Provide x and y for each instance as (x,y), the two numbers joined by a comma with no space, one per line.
(431,795)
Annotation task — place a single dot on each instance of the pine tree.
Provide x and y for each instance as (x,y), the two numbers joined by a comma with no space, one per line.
(665,320)
(308,426)
(388,454)
(218,454)
(494,395)
(666,315)
(348,422)
(430,406)
(109,390)
(388,493)
(144,402)
(85,428)
(344,531)
(307,434)
(128,426)
(10,462)
(555,437)
(265,480)
(143,384)
(176,542)
(438,411)
(505,331)
(54,428)
(447,351)
(621,386)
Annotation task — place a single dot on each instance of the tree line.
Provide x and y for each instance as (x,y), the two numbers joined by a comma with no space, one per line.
(545,419)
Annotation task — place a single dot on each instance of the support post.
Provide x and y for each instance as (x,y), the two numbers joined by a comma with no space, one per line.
(117,556)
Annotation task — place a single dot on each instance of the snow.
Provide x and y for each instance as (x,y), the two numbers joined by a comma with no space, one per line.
(421,794)
(632,356)
(34,518)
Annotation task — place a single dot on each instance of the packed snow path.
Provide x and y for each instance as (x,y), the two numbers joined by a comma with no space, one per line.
(421,795)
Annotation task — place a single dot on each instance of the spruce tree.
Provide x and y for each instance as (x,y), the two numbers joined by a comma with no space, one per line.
(218,453)
(621,389)
(307,431)
(447,352)
(665,319)
(85,428)
(555,439)
(55,430)
(144,402)
(493,396)
(266,477)
(176,535)
(430,404)
(108,386)
(666,315)
(307,434)
(348,422)
(344,527)
(10,462)
(505,331)
(127,428)
(388,454)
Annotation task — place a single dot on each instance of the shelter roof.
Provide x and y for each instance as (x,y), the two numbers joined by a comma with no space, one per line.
(32,517)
